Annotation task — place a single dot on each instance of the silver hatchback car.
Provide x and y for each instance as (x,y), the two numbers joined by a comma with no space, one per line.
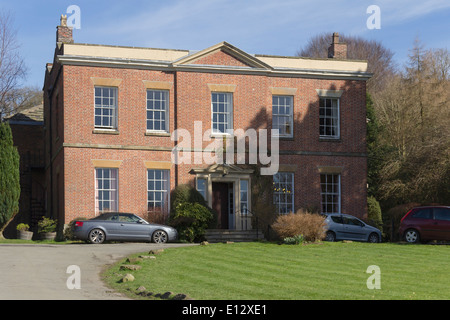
(347,227)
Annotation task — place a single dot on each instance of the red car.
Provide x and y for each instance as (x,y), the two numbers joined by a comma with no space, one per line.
(426,223)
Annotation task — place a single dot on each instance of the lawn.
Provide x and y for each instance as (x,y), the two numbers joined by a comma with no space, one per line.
(267,271)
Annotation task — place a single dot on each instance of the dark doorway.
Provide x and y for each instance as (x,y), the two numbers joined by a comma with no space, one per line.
(220,203)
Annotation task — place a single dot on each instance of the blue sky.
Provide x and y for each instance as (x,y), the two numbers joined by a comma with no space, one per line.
(278,27)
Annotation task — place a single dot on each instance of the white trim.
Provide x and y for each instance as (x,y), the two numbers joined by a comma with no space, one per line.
(228,113)
(336,136)
(167,66)
(291,116)
(166,94)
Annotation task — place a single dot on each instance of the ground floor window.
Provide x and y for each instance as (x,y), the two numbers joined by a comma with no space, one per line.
(158,190)
(106,190)
(283,192)
(330,185)
(244,196)
(201,187)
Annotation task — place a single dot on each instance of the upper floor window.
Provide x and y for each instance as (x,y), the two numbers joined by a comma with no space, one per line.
(282,115)
(222,112)
(329,118)
(106,107)
(158,110)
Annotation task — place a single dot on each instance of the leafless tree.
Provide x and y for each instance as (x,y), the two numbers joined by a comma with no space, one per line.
(12,66)
(414,110)
(379,58)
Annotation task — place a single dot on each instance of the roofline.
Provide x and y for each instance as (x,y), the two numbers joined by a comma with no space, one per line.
(125,47)
(169,66)
(307,58)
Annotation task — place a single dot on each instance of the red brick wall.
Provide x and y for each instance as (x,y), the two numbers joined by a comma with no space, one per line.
(252,102)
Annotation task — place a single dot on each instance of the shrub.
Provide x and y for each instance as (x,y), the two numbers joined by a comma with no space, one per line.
(294,240)
(374,213)
(191,220)
(68,231)
(186,193)
(23,227)
(310,225)
(46,225)
(392,219)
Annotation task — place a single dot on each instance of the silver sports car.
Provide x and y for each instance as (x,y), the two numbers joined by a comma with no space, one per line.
(114,226)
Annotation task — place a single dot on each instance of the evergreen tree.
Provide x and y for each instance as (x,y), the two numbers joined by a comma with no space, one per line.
(9,177)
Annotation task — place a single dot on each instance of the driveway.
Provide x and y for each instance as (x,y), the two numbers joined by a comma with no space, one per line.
(29,272)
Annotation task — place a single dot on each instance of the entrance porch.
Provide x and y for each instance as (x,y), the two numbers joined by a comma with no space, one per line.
(226,189)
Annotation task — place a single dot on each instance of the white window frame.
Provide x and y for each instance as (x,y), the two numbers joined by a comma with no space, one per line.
(100,107)
(226,114)
(152,183)
(164,99)
(277,115)
(244,196)
(112,189)
(283,185)
(329,121)
(330,189)
(202,190)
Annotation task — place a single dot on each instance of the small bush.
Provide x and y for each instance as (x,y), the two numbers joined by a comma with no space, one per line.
(294,240)
(310,225)
(68,230)
(374,213)
(23,227)
(392,219)
(191,220)
(46,225)
(185,193)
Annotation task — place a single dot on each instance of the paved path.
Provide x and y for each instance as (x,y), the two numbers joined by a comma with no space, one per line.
(29,272)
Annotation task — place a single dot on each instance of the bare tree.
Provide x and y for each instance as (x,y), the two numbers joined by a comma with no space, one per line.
(12,67)
(414,110)
(379,58)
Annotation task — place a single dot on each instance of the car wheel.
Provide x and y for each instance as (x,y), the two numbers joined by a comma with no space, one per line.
(373,238)
(96,236)
(412,236)
(160,236)
(330,236)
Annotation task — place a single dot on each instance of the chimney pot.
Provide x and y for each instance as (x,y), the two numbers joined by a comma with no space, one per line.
(64,34)
(337,50)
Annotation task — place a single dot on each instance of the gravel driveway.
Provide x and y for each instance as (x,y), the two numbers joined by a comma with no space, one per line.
(29,272)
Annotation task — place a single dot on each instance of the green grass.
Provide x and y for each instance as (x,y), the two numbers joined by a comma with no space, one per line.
(285,272)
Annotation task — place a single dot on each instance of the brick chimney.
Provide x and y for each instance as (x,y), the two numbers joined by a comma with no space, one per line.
(63,32)
(337,50)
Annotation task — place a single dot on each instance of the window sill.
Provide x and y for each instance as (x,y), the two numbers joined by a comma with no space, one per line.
(288,138)
(157,133)
(326,139)
(221,135)
(105,131)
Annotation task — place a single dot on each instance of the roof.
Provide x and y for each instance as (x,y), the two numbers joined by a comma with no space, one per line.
(29,116)
(186,60)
